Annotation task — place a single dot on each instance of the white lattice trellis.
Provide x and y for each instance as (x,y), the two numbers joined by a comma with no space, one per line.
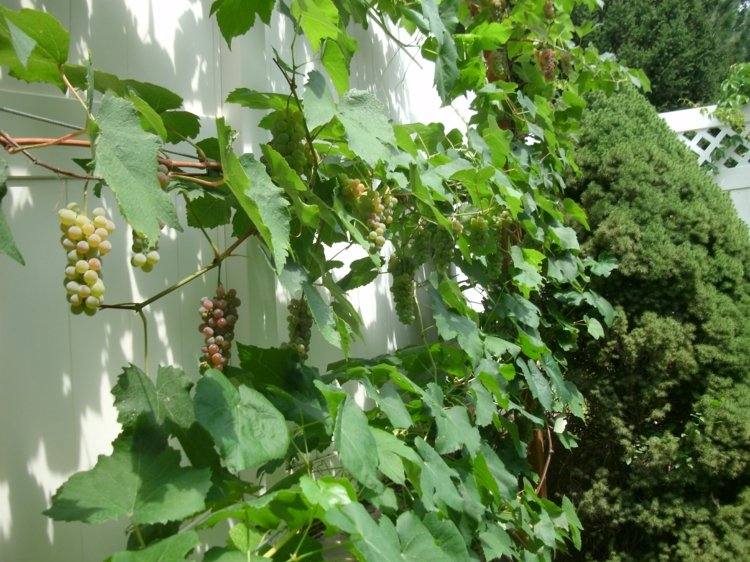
(712,141)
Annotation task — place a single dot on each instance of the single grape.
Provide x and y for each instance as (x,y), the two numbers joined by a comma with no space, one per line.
(74,300)
(90,277)
(81,220)
(138,260)
(100,221)
(102,233)
(153,257)
(97,289)
(75,233)
(67,217)
(82,247)
(82,266)
(95,264)
(99,212)
(92,303)
(84,291)
(70,272)
(72,287)
(105,247)
(110,226)
(88,229)
(68,244)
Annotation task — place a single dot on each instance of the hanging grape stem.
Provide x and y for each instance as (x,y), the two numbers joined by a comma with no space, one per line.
(138,306)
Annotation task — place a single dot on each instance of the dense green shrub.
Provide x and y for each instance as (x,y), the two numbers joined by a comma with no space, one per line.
(685,46)
(663,467)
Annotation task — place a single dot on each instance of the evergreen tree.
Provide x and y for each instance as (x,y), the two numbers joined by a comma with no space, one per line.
(663,467)
(685,46)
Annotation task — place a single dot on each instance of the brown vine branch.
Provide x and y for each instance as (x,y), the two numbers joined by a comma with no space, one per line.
(139,306)
(542,486)
(8,142)
(18,144)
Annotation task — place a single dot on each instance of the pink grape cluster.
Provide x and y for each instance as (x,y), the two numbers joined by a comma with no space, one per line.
(219,317)
(85,239)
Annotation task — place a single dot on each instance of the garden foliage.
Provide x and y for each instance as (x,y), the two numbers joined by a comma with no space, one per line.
(437,467)
(685,46)
(663,467)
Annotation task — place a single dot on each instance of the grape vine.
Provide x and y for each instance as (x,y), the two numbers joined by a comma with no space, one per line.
(436,465)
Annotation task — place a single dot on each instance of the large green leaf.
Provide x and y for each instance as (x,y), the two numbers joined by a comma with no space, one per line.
(367,128)
(259,197)
(319,105)
(247,429)
(7,244)
(33,45)
(136,395)
(125,157)
(430,539)
(435,479)
(452,325)
(446,56)
(171,549)
(236,17)
(373,541)
(323,314)
(319,20)
(141,479)
(356,445)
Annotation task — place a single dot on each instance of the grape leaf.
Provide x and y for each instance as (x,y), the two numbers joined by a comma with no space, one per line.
(150,120)
(125,157)
(356,445)
(142,479)
(446,57)
(258,196)
(136,395)
(367,128)
(247,429)
(7,244)
(236,17)
(33,45)
(208,211)
(436,542)
(253,99)
(180,125)
(322,313)
(319,106)
(319,20)
(436,479)
(375,542)
(451,325)
(171,549)
(336,57)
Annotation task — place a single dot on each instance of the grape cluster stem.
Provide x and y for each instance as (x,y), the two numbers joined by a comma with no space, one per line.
(139,306)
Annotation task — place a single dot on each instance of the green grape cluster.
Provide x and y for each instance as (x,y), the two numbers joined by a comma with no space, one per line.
(145,255)
(288,134)
(403,287)
(219,316)
(85,239)
(299,323)
(379,214)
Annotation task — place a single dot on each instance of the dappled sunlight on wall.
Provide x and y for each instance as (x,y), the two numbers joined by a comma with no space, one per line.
(56,407)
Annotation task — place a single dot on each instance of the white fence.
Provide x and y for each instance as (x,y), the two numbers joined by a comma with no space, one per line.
(56,410)
(707,137)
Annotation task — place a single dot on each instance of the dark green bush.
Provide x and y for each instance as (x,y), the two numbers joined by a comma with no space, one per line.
(663,470)
(685,46)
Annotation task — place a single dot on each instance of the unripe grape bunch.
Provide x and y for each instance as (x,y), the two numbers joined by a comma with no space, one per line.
(402,268)
(219,317)
(378,209)
(287,139)
(299,323)
(86,241)
(145,255)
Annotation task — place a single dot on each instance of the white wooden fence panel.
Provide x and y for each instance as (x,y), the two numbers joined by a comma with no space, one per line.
(56,410)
